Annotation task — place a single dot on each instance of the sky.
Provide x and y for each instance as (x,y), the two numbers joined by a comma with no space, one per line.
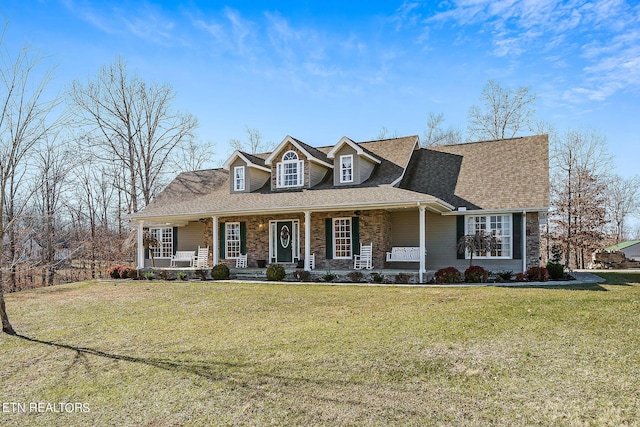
(320,70)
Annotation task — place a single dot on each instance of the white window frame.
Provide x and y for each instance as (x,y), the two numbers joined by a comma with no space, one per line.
(344,170)
(496,225)
(232,240)
(342,239)
(290,166)
(164,235)
(239,180)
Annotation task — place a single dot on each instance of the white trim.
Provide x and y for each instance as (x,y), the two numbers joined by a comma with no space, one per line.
(333,236)
(281,170)
(140,245)
(236,180)
(349,156)
(295,239)
(359,151)
(495,211)
(216,241)
(289,139)
(524,241)
(423,241)
(307,240)
(249,163)
(488,229)
(162,243)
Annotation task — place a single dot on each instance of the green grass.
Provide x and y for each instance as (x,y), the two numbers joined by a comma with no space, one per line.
(222,353)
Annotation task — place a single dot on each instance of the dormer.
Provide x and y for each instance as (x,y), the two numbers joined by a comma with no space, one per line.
(294,165)
(247,172)
(353,163)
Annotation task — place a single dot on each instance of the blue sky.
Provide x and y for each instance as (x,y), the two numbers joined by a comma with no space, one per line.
(322,70)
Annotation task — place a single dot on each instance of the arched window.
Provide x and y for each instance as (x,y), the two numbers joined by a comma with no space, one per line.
(290,170)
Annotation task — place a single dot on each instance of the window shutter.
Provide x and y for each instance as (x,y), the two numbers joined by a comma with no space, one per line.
(328,234)
(355,235)
(221,239)
(459,234)
(301,172)
(146,251)
(175,239)
(279,175)
(517,235)
(243,238)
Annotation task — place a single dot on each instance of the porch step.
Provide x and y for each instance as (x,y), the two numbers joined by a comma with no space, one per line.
(250,276)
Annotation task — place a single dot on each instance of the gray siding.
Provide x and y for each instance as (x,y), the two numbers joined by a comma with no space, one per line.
(345,150)
(404,228)
(366,167)
(316,173)
(191,236)
(257,178)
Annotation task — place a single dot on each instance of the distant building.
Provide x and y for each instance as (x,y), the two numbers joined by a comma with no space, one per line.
(631,249)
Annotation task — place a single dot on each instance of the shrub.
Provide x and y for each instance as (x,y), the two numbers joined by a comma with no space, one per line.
(220,272)
(128,272)
(163,275)
(402,278)
(476,274)
(114,271)
(329,276)
(537,274)
(521,277)
(377,277)
(556,271)
(148,275)
(448,275)
(275,272)
(505,275)
(302,275)
(355,276)
(181,275)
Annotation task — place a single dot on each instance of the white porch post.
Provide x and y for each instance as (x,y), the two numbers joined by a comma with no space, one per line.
(524,241)
(307,240)
(140,245)
(423,242)
(214,244)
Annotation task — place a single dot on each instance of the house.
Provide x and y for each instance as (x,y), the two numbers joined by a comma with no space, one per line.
(300,201)
(631,249)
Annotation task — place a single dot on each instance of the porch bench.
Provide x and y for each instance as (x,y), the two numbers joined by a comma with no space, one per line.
(404,254)
(183,256)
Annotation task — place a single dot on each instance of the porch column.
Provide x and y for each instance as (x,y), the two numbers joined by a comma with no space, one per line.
(140,245)
(423,242)
(307,240)
(214,244)
(524,241)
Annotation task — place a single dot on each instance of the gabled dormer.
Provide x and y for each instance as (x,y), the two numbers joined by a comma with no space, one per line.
(247,172)
(296,165)
(353,163)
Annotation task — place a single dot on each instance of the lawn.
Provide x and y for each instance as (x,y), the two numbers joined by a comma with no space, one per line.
(223,353)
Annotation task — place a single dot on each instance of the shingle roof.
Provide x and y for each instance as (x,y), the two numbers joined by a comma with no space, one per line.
(621,245)
(502,174)
(473,175)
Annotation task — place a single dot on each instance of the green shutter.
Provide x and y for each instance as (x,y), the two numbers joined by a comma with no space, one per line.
(459,234)
(328,234)
(517,235)
(221,239)
(175,239)
(146,251)
(355,235)
(243,238)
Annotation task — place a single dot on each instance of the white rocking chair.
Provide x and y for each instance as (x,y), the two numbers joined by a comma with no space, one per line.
(364,260)
(241,261)
(202,258)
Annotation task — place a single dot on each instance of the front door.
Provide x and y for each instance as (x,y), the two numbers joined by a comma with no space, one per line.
(284,238)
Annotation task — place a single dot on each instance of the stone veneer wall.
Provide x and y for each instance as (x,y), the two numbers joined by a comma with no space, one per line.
(533,239)
(375,228)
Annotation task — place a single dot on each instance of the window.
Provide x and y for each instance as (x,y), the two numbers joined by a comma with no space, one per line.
(346,168)
(290,172)
(238,173)
(165,237)
(497,225)
(232,240)
(342,238)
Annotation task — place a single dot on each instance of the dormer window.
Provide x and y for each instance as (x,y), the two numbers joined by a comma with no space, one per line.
(238,173)
(290,171)
(346,168)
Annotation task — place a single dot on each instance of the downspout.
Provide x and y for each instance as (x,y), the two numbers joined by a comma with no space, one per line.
(423,242)
(140,245)
(215,244)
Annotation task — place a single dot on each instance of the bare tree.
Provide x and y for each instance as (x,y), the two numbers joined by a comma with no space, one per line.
(505,112)
(24,114)
(194,156)
(254,143)
(132,122)
(436,135)
(580,162)
(622,200)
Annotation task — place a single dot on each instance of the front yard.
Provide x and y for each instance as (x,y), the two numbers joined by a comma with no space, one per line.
(224,353)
